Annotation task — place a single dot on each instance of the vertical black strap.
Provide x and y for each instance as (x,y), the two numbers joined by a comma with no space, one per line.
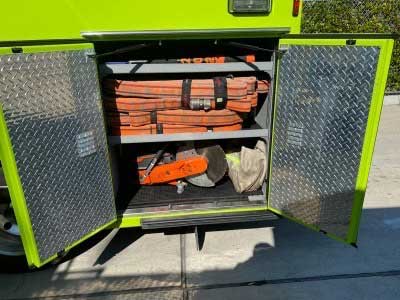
(153,117)
(186,89)
(220,92)
(159,128)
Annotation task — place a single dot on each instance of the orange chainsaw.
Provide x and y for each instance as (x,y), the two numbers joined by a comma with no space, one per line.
(201,167)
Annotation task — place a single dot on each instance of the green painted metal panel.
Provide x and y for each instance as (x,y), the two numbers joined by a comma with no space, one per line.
(45,134)
(47,48)
(54,20)
(347,131)
(371,132)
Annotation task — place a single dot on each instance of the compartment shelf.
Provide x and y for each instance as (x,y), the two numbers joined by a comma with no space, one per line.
(109,68)
(175,137)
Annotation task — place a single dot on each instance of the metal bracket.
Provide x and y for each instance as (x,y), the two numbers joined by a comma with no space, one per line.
(90,53)
(282,50)
(16,50)
(200,235)
(61,253)
(351,42)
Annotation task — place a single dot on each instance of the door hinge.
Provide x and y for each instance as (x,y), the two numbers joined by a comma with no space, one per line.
(91,53)
(351,42)
(61,254)
(282,50)
(17,50)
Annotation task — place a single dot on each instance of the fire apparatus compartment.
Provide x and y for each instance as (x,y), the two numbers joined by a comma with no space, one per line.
(186,121)
(185,175)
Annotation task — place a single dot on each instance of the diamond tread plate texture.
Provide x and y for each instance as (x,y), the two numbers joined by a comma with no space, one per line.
(324,95)
(49,99)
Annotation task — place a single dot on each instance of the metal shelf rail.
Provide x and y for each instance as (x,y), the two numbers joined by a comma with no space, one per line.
(175,137)
(109,68)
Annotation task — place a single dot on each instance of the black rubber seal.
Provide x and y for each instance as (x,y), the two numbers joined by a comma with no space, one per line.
(186,89)
(220,92)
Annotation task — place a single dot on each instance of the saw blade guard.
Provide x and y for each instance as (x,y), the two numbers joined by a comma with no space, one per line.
(217,166)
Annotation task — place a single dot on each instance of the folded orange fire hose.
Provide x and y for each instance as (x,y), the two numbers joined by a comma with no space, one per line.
(127,104)
(120,102)
(263,86)
(149,107)
(197,88)
(237,87)
(178,117)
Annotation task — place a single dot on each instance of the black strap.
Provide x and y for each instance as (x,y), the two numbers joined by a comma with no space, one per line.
(153,117)
(159,128)
(220,92)
(186,89)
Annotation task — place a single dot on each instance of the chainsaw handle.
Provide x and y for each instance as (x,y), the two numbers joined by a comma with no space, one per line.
(155,160)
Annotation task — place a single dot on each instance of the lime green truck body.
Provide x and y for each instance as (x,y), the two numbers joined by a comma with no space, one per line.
(35,27)
(67,20)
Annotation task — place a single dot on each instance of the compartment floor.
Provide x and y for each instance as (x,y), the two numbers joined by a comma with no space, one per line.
(150,196)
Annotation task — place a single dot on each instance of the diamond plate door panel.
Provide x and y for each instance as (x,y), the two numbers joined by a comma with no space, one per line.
(322,107)
(52,110)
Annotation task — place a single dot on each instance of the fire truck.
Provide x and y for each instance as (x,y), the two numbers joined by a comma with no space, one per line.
(169,114)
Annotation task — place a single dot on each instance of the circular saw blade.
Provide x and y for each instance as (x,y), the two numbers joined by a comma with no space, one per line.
(217,166)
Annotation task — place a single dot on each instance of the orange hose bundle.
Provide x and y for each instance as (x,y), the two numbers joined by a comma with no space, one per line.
(200,88)
(176,117)
(263,86)
(179,106)
(253,98)
(127,104)
(250,82)
(204,118)
(133,118)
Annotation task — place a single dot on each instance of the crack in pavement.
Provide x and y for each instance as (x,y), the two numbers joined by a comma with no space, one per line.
(186,290)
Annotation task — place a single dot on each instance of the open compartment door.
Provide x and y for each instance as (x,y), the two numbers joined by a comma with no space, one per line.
(53,147)
(328,101)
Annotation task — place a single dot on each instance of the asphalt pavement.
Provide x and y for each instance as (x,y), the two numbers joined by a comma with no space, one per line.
(272,260)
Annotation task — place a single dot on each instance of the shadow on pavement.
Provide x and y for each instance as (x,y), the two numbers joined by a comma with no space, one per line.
(297,255)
